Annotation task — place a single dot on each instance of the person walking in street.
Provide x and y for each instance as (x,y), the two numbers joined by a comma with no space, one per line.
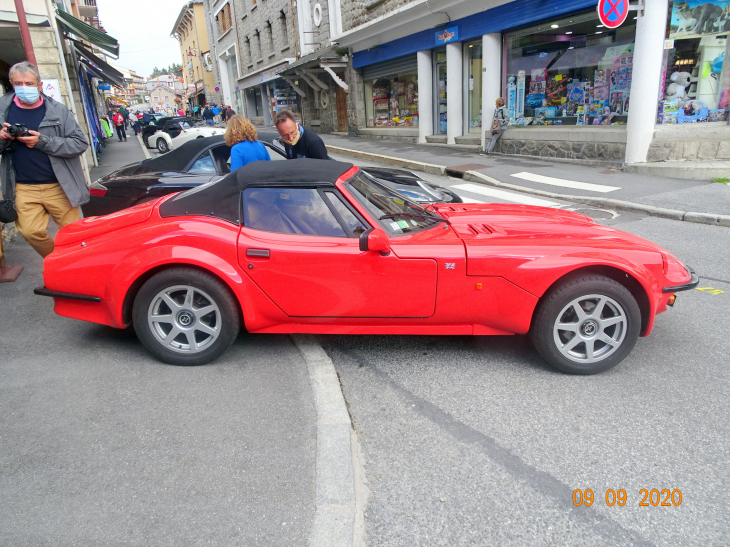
(216,112)
(228,114)
(119,122)
(208,115)
(41,171)
(133,122)
(241,136)
(499,122)
(297,142)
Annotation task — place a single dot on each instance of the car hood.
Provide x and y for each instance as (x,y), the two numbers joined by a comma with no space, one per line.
(502,237)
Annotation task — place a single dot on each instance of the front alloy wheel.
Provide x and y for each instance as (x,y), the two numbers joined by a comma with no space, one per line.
(162,146)
(185,316)
(586,325)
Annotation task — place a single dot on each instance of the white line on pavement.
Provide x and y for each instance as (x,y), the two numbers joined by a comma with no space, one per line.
(507,196)
(565,183)
(469,200)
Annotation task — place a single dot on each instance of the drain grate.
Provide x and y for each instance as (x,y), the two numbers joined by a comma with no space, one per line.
(459,170)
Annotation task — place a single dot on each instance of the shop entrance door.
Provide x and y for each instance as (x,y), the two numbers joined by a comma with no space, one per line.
(439,94)
(341,110)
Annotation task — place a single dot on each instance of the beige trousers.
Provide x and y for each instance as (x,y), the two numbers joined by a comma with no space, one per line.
(34,202)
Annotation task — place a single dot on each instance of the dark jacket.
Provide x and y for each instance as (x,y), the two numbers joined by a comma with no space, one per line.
(208,114)
(62,139)
(309,145)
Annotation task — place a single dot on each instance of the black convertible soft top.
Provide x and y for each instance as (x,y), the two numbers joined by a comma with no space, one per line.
(222,199)
(182,158)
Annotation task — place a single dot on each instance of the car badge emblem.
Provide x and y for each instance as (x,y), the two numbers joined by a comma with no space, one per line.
(451,265)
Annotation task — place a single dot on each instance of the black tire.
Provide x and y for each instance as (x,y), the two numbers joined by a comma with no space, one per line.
(145,139)
(162,146)
(586,333)
(193,292)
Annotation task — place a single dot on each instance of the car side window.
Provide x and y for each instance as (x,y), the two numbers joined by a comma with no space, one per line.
(300,211)
(354,225)
(222,158)
(203,165)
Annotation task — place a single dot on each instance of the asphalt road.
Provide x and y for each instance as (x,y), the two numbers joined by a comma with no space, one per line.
(101,444)
(475,441)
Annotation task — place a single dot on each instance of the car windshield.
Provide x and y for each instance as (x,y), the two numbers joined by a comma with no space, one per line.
(397,214)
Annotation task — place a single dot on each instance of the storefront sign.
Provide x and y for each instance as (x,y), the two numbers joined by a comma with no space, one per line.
(52,89)
(263,76)
(105,86)
(612,13)
(447,35)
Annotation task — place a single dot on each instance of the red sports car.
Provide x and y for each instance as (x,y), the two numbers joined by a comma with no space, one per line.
(312,246)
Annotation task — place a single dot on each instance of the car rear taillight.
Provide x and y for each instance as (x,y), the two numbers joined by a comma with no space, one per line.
(97,189)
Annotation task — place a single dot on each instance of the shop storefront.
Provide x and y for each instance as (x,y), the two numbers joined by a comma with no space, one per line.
(391,93)
(265,93)
(569,71)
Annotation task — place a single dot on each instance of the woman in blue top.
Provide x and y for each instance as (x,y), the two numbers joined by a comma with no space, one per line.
(241,137)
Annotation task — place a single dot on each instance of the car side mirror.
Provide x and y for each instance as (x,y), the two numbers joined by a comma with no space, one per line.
(375,240)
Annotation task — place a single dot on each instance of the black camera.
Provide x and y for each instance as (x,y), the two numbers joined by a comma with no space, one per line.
(18,130)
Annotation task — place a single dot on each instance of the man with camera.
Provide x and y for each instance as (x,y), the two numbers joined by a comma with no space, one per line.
(40,143)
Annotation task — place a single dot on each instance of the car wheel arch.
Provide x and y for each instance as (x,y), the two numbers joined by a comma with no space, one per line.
(137,284)
(628,280)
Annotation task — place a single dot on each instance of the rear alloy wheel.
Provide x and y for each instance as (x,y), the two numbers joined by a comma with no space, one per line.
(162,146)
(185,316)
(586,325)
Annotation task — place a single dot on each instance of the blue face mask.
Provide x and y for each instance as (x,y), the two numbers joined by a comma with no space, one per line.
(27,94)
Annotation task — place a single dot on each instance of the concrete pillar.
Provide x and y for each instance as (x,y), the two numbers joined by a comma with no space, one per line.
(647,70)
(425,95)
(491,79)
(454,92)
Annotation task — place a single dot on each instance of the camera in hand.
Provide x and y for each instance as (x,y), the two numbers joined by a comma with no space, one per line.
(18,130)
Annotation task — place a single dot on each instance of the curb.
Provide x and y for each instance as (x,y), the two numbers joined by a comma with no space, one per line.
(475,176)
(338,519)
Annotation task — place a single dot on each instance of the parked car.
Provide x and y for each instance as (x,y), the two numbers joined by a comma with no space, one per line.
(323,247)
(203,160)
(176,131)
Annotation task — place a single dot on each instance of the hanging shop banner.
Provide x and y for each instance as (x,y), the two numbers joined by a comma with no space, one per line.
(724,100)
(697,18)
(520,110)
(447,35)
(612,13)
(105,86)
(511,97)
(52,90)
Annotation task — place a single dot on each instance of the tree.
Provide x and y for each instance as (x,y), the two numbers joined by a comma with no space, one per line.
(172,69)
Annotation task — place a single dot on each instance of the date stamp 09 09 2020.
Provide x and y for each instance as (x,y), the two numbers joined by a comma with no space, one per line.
(650,498)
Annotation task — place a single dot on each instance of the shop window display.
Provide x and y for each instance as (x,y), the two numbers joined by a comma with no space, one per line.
(571,71)
(696,71)
(392,101)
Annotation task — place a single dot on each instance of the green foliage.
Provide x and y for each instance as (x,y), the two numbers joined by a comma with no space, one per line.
(723,180)
(172,69)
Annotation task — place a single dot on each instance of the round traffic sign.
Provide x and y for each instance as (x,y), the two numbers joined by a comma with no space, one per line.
(612,13)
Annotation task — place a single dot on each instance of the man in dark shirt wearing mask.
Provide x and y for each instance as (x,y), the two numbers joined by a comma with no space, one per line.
(40,171)
(299,143)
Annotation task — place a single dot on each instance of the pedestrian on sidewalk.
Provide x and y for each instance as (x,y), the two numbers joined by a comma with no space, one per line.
(119,122)
(242,137)
(499,122)
(134,122)
(229,113)
(208,115)
(42,171)
(297,142)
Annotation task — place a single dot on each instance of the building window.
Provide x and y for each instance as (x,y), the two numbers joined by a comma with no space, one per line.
(473,55)
(695,88)
(392,100)
(249,55)
(257,40)
(270,37)
(223,19)
(284,32)
(570,71)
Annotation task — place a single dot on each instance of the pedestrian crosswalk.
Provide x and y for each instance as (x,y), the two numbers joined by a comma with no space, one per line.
(563,183)
(511,197)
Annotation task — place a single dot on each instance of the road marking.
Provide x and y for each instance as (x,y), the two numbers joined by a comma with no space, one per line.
(469,200)
(565,183)
(507,196)
(710,290)
(144,148)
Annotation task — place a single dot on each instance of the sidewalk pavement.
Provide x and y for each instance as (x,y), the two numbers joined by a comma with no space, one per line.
(118,154)
(690,200)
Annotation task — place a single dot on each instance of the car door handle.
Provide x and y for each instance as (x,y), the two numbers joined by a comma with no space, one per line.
(260,253)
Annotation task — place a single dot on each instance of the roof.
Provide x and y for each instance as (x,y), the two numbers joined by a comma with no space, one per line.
(181,158)
(319,55)
(222,199)
(87,32)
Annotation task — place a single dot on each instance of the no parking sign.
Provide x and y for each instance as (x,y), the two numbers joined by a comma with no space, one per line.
(612,13)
